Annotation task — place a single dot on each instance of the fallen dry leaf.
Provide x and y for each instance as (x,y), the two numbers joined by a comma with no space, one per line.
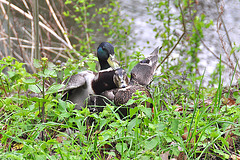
(165,155)
(230,102)
(234,157)
(185,136)
(59,139)
(182,156)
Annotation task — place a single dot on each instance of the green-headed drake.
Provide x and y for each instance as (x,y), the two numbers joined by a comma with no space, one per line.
(141,76)
(78,87)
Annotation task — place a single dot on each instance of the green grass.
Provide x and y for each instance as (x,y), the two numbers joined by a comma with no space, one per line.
(188,119)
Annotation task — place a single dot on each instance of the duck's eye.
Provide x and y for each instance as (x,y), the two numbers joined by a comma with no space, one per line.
(104,48)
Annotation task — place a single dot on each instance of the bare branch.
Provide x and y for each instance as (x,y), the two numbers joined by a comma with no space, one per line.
(184,31)
(224,62)
(29,16)
(64,32)
(226,31)
(223,44)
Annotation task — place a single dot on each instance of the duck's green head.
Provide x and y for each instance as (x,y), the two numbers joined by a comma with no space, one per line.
(106,56)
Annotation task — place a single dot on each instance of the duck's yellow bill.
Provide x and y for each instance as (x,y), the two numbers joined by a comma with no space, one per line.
(112,62)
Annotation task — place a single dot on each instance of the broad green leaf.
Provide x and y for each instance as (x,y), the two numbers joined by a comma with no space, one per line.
(40,157)
(147,111)
(238,100)
(131,65)
(29,81)
(102,123)
(133,111)
(34,88)
(152,143)
(121,147)
(11,74)
(130,102)
(91,66)
(62,106)
(36,63)
(54,88)
(36,99)
(174,125)
(161,126)
(52,141)
(133,123)
(48,73)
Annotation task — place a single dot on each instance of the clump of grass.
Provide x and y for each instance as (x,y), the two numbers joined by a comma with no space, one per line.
(188,120)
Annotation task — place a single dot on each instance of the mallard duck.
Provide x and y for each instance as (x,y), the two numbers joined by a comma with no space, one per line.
(78,87)
(120,79)
(141,76)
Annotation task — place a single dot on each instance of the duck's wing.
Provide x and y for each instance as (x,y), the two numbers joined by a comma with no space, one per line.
(143,72)
(77,87)
(125,94)
(72,82)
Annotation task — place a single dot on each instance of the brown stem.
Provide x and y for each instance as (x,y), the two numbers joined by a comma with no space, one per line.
(228,37)
(184,31)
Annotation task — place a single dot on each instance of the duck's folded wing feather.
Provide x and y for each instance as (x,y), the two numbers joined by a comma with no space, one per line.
(143,72)
(72,82)
(76,81)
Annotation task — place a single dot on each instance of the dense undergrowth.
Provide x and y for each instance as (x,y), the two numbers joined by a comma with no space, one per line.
(188,121)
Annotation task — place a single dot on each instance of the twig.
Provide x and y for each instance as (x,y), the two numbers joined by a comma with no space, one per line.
(1,54)
(59,13)
(9,31)
(36,31)
(64,32)
(32,36)
(172,49)
(184,31)
(222,61)
(223,45)
(4,42)
(24,57)
(228,37)
(29,16)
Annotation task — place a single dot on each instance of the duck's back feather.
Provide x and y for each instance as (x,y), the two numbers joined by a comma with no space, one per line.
(103,81)
(143,72)
(124,94)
